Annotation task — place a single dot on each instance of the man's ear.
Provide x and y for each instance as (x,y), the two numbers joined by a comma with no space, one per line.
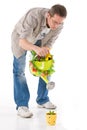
(48,15)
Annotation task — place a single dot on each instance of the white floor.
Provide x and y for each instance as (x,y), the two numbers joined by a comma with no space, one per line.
(71,115)
(9,120)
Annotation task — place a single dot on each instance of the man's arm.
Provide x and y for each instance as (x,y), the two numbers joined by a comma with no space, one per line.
(26,45)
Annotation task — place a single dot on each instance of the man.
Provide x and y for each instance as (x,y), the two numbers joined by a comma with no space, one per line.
(37,30)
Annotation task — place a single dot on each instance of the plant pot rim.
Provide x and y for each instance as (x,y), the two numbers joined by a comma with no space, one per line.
(50,114)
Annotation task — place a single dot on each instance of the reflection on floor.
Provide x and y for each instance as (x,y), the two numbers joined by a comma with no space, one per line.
(9,120)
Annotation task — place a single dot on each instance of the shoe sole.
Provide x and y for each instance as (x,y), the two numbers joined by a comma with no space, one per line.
(42,106)
(29,116)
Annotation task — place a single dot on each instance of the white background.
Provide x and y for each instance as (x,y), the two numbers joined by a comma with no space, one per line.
(70,53)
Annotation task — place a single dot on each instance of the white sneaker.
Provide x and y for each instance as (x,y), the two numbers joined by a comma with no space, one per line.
(24,112)
(47,105)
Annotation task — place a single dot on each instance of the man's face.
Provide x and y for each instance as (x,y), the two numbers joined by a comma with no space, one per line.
(55,21)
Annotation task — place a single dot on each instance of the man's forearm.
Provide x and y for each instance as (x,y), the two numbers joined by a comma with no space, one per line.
(26,45)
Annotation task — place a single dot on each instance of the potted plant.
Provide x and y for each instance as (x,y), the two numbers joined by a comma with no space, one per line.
(51,117)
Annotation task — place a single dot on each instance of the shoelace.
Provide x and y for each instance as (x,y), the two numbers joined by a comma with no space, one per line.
(25,108)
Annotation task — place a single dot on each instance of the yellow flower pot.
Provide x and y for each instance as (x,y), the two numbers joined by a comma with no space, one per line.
(51,118)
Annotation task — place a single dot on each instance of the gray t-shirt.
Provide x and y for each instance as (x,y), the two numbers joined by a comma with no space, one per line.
(43,33)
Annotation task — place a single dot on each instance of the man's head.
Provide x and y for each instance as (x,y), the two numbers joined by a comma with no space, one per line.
(56,16)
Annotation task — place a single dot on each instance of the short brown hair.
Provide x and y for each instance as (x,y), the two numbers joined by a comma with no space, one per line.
(58,9)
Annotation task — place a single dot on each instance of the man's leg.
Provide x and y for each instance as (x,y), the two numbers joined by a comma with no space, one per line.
(42,92)
(42,96)
(21,92)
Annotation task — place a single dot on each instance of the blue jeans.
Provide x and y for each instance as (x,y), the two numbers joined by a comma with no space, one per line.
(21,90)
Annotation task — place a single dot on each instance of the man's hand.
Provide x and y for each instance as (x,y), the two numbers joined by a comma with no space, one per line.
(41,51)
